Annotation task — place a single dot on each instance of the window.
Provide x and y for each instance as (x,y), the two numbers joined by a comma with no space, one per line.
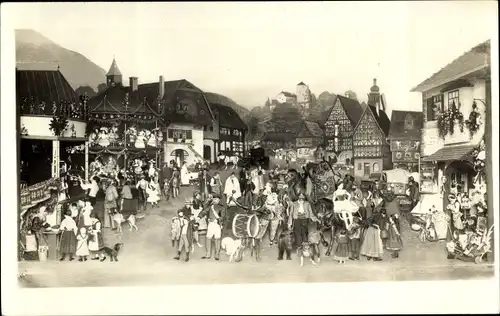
(359,165)
(375,167)
(453,98)
(181,107)
(211,128)
(435,106)
(180,134)
(408,122)
(366,168)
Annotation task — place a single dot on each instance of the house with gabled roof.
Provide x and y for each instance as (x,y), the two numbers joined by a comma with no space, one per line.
(371,150)
(339,125)
(404,137)
(307,139)
(286,97)
(456,105)
(232,130)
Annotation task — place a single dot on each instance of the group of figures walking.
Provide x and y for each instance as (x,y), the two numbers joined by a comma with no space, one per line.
(295,209)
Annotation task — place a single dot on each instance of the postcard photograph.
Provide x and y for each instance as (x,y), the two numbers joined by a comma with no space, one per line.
(195,144)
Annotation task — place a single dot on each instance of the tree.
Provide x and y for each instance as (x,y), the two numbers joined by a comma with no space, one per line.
(85,90)
(313,99)
(102,87)
(285,116)
(351,95)
(253,126)
(325,100)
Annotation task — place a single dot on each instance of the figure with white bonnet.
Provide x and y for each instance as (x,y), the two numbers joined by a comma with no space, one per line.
(232,189)
(343,205)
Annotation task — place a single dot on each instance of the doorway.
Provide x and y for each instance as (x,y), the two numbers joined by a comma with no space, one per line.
(180,156)
(207,153)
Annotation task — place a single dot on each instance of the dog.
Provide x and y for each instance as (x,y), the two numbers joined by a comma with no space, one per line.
(285,245)
(111,252)
(118,218)
(306,251)
(232,248)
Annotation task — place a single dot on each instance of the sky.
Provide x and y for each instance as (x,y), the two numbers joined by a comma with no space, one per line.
(251,51)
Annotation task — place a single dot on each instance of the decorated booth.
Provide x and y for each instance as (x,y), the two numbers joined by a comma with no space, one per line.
(125,134)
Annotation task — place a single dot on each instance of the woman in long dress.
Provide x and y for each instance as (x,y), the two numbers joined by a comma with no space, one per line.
(184,174)
(129,205)
(82,244)
(372,246)
(153,193)
(68,237)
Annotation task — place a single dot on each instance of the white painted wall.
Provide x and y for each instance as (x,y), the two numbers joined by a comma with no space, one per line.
(196,142)
(430,136)
(39,126)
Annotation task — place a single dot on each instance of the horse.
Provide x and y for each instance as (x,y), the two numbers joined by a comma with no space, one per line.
(226,160)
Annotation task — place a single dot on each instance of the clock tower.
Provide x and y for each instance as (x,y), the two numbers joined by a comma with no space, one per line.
(114,75)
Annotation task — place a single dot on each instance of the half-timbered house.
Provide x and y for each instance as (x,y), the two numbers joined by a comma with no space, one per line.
(371,150)
(232,130)
(404,137)
(339,126)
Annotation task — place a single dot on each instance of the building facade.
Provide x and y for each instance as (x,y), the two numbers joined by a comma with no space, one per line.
(454,105)
(232,131)
(303,95)
(308,138)
(286,97)
(339,126)
(52,125)
(404,136)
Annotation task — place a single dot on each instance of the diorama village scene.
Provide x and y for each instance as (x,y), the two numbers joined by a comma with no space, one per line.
(346,185)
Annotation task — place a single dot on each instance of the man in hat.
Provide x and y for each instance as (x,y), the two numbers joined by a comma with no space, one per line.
(204,178)
(166,177)
(141,186)
(215,215)
(413,191)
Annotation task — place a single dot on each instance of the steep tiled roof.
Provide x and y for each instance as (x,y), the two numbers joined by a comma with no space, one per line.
(475,59)
(352,108)
(451,153)
(228,116)
(43,86)
(398,129)
(382,119)
(313,128)
(113,70)
(278,137)
(288,94)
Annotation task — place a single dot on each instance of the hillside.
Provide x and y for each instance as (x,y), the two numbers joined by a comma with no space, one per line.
(221,99)
(35,51)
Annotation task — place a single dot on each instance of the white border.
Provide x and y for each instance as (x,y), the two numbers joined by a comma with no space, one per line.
(345,298)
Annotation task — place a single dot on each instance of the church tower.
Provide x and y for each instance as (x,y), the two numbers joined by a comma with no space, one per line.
(114,75)
(374,95)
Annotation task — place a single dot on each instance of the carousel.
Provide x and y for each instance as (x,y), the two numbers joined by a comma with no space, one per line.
(125,135)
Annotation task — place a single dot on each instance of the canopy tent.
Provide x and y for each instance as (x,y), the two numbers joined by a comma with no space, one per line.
(426,203)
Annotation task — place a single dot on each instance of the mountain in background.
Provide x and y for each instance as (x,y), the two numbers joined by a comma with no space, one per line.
(35,51)
(242,111)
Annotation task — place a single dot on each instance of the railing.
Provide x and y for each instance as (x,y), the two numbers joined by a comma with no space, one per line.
(70,110)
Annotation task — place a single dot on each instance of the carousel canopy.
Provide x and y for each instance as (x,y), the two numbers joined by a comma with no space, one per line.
(34,87)
(119,103)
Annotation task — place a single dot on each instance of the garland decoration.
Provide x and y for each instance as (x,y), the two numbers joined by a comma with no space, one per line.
(474,121)
(446,120)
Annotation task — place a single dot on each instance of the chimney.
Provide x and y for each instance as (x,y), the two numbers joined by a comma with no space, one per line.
(133,83)
(161,88)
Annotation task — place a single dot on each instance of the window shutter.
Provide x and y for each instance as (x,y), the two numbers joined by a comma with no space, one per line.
(170,133)
(189,134)
(429,109)
(441,110)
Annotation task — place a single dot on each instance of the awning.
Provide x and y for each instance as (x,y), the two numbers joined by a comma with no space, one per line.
(451,153)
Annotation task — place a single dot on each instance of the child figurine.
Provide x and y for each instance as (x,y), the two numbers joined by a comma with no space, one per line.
(394,242)
(82,245)
(96,240)
(153,193)
(68,237)
(355,238)
(342,251)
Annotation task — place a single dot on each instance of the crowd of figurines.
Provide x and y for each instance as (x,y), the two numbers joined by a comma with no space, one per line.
(132,137)
(71,110)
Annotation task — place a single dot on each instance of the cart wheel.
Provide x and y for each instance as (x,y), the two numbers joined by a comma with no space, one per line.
(478,259)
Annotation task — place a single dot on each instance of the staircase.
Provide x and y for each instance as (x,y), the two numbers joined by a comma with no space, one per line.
(196,154)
